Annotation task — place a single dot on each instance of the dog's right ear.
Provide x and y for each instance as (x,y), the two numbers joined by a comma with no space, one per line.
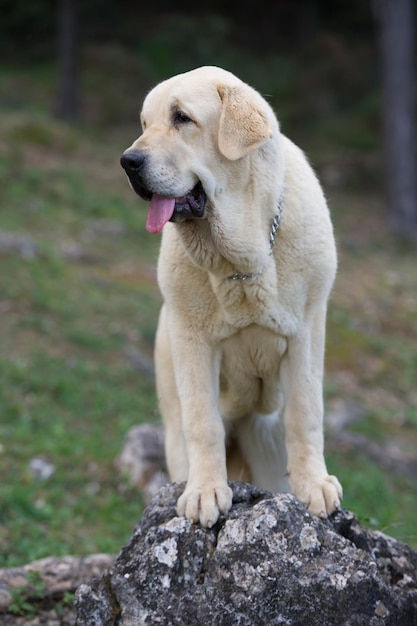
(243,124)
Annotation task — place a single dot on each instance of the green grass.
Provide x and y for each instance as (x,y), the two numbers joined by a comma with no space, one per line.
(372,364)
(68,391)
(380,501)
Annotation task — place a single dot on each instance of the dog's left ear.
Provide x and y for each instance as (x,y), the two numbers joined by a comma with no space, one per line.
(243,124)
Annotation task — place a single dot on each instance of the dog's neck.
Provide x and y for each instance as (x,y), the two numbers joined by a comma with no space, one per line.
(212,249)
(271,241)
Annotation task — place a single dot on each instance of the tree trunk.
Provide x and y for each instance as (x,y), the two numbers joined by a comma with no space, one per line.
(396,30)
(68,93)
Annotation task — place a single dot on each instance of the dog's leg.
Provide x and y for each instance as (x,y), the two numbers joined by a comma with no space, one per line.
(196,367)
(302,375)
(169,404)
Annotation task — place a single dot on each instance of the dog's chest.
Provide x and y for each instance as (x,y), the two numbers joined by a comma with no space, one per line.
(250,371)
(253,302)
(257,349)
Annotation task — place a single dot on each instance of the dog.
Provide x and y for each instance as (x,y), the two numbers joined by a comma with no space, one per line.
(246,265)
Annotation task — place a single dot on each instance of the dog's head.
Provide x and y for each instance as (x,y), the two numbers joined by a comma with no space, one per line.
(196,127)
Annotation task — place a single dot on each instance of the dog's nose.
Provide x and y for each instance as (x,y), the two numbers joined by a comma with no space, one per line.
(132,161)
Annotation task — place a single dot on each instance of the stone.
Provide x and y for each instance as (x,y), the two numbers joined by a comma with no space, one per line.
(40,468)
(39,593)
(268,562)
(142,460)
(24,247)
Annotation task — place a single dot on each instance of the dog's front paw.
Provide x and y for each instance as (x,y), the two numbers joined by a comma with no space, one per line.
(205,503)
(322,496)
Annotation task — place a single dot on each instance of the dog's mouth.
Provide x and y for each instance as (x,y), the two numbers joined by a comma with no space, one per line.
(164,209)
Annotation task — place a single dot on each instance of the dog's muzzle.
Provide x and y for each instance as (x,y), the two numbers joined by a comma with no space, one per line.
(189,206)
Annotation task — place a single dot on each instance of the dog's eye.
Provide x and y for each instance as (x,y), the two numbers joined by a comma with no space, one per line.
(179,118)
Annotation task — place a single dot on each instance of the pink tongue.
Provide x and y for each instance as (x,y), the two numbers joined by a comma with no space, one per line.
(160,211)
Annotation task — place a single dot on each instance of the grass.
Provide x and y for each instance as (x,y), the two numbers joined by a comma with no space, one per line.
(80,291)
(70,311)
(372,364)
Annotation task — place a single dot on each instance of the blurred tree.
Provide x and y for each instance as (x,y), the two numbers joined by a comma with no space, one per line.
(68,85)
(397,48)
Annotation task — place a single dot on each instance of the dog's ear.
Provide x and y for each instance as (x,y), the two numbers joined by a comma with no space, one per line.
(243,124)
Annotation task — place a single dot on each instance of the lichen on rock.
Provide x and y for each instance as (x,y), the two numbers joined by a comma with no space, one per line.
(268,562)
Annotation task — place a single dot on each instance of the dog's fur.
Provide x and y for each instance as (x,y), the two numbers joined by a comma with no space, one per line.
(239,362)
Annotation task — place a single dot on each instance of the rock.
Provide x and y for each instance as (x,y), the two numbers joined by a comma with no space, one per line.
(40,468)
(268,562)
(142,460)
(40,592)
(14,244)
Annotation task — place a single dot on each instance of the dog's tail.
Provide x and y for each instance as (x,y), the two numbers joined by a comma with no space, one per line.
(261,440)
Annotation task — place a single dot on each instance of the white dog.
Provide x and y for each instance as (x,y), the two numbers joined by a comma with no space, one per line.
(246,265)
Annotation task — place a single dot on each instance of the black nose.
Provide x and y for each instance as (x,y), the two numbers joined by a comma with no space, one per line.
(132,161)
